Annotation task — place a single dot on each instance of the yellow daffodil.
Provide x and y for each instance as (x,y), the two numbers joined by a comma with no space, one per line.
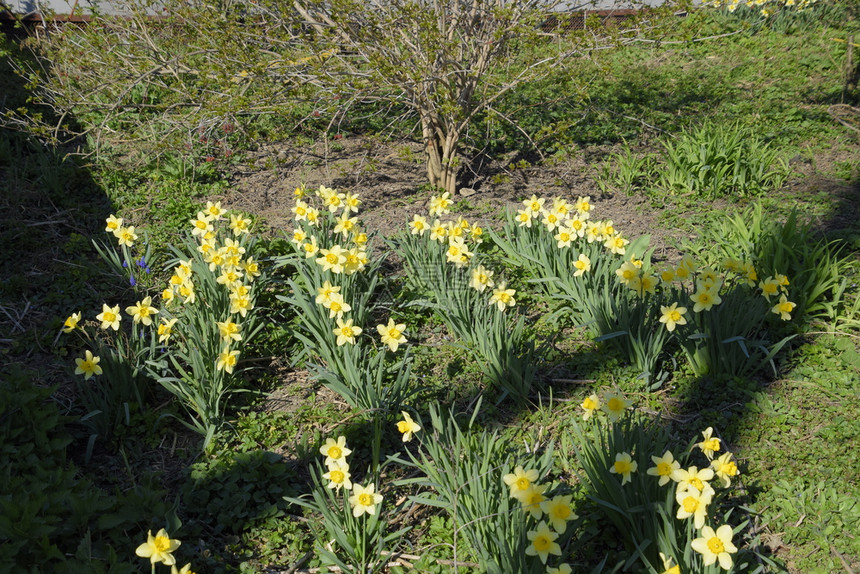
(214,210)
(229,278)
(334,201)
(109,317)
(310,248)
(520,480)
(126,236)
(624,465)
(142,311)
(440,205)
(332,259)
(240,304)
(345,224)
(339,477)
(239,225)
(481,279)
(667,275)
(158,548)
(419,225)
(716,545)
(227,360)
(113,223)
(558,512)
(672,316)
(543,543)
(336,306)
(534,205)
(458,253)
(407,427)
(251,267)
(229,331)
(335,452)
(392,334)
(563,237)
(364,499)
(523,218)
(669,565)
(705,299)
(693,503)
(201,225)
(614,406)
(647,283)
(88,366)
(532,498)
(590,406)
(582,265)
(438,231)
(694,478)
(165,330)
(627,272)
(346,332)
(583,204)
(663,467)
(351,203)
(71,322)
(551,220)
(184,570)
(725,469)
(563,568)
(325,292)
(710,444)
(313,217)
(616,244)
(186,290)
(784,308)
(502,297)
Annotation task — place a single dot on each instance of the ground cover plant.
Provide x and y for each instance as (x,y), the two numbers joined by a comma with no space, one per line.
(581,367)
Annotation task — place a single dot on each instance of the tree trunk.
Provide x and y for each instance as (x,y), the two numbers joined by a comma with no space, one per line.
(440,149)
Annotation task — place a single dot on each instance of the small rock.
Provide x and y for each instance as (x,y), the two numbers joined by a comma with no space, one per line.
(467,191)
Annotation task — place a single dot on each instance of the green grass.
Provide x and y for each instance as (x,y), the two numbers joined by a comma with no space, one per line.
(794,435)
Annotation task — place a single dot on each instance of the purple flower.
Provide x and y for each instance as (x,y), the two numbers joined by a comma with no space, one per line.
(131,280)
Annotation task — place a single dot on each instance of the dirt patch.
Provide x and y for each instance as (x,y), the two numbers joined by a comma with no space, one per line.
(391,181)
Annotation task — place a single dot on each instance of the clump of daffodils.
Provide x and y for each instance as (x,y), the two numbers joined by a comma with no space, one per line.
(222,249)
(364,499)
(566,223)
(327,230)
(766,8)
(549,516)
(459,238)
(613,405)
(704,287)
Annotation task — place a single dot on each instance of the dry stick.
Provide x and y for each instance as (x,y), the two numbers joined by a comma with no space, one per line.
(832,111)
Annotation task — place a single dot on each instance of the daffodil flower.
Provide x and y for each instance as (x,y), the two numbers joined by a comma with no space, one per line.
(364,499)
(407,427)
(158,548)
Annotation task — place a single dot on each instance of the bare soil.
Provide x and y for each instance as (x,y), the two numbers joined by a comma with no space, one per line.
(391,180)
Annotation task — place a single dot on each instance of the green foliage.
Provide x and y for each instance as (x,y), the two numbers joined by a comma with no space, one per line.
(462,474)
(50,518)
(358,544)
(789,429)
(817,268)
(627,172)
(199,362)
(232,491)
(721,161)
(498,339)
